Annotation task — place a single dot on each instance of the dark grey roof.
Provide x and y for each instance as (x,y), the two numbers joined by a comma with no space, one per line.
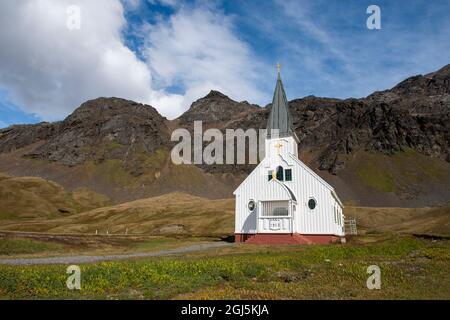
(280,117)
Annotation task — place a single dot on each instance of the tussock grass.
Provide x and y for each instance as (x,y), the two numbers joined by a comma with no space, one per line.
(399,171)
(14,246)
(187,215)
(174,213)
(411,269)
(32,197)
(430,221)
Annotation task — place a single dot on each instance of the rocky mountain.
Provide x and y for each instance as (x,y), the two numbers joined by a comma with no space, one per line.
(217,108)
(428,94)
(99,129)
(390,148)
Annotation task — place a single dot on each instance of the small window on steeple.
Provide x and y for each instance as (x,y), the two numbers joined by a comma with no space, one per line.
(288,174)
(269,175)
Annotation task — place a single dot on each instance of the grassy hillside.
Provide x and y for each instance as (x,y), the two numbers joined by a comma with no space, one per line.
(35,204)
(174,213)
(401,170)
(32,197)
(431,221)
(402,179)
(184,214)
(141,175)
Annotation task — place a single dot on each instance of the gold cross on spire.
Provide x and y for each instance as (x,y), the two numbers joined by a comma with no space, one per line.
(278,67)
(278,146)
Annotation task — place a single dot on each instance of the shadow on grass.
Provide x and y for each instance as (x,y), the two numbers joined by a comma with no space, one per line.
(228,238)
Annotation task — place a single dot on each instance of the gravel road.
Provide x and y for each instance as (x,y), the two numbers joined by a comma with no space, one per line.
(92,259)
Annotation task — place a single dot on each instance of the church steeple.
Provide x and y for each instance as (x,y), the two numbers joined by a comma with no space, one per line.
(280,117)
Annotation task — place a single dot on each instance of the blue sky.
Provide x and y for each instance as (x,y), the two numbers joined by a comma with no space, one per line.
(169,53)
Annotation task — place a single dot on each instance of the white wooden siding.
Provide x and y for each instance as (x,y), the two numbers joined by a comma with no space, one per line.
(305,185)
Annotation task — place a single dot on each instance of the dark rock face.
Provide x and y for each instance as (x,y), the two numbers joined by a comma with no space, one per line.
(18,136)
(414,114)
(104,128)
(383,128)
(428,94)
(216,107)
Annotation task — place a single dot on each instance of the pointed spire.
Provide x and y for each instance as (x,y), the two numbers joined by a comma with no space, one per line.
(280,117)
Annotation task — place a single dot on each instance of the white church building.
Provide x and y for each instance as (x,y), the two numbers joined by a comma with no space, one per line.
(283,201)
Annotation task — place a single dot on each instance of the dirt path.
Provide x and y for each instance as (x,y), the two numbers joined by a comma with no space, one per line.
(99,258)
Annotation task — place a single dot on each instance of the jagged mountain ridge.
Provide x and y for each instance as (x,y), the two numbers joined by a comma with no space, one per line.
(414,115)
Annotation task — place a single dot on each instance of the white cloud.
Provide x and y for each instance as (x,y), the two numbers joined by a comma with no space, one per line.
(49,70)
(198,50)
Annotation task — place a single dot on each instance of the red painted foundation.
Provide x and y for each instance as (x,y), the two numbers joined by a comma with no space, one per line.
(284,238)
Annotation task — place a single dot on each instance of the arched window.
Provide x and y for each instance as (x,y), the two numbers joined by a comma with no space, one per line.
(280,173)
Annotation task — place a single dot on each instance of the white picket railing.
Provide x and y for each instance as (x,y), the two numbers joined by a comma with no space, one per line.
(350,227)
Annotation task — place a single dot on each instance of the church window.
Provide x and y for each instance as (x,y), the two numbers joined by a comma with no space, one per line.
(275,208)
(288,174)
(251,205)
(280,174)
(270,175)
(312,203)
(280,212)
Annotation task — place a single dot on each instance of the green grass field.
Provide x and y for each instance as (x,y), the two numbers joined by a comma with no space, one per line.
(19,246)
(411,268)
(16,245)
